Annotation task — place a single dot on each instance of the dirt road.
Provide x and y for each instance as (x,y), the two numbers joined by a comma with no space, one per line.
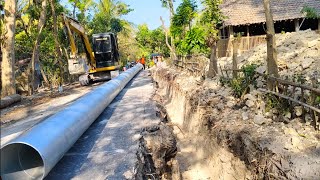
(107,149)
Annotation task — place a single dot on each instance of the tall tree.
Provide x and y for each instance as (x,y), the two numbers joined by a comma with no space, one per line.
(171,47)
(272,66)
(169,4)
(58,53)
(79,8)
(7,47)
(186,12)
(36,48)
(108,16)
(212,18)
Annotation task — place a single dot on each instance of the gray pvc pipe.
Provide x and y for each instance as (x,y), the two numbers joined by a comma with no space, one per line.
(33,154)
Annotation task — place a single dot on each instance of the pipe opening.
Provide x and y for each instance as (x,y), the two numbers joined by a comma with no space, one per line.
(21,161)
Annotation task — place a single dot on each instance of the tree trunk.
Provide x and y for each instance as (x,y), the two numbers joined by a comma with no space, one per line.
(35,53)
(56,42)
(235,44)
(213,65)
(7,47)
(44,76)
(74,10)
(8,100)
(172,50)
(171,8)
(172,45)
(272,66)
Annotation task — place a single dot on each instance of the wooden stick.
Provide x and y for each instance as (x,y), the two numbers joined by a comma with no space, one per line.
(291,99)
(303,110)
(313,102)
(221,71)
(315,90)
(285,82)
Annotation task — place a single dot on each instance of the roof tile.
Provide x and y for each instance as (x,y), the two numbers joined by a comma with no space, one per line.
(240,12)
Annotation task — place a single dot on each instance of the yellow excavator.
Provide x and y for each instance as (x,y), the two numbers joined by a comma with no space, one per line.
(98,63)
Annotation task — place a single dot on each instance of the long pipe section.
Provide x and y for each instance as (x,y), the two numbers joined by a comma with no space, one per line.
(33,154)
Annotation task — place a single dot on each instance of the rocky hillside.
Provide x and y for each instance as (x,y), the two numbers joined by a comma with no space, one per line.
(298,53)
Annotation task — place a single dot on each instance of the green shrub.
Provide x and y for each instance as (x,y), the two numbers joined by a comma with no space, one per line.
(240,85)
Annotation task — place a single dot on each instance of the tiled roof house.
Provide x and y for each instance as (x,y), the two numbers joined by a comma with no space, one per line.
(251,12)
(248,18)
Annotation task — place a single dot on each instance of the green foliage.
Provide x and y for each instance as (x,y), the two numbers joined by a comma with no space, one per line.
(158,42)
(240,85)
(186,12)
(108,17)
(249,72)
(151,41)
(188,39)
(211,19)
(193,42)
(274,102)
(122,9)
(317,101)
(299,78)
(311,12)
(165,3)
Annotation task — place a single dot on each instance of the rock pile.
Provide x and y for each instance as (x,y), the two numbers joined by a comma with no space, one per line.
(298,53)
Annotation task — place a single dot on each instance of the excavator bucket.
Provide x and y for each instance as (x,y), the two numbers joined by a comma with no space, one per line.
(78,65)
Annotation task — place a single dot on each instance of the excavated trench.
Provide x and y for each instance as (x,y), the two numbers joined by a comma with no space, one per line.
(201,154)
(209,147)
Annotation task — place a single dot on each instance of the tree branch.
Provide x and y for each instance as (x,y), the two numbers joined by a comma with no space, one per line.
(167,40)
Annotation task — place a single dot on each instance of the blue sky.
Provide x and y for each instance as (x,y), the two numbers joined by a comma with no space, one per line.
(149,12)
(145,11)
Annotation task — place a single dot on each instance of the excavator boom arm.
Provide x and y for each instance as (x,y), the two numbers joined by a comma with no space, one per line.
(74,26)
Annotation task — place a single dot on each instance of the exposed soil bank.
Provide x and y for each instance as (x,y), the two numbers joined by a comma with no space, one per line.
(219,141)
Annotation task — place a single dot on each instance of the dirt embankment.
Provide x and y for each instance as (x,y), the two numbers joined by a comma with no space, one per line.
(223,138)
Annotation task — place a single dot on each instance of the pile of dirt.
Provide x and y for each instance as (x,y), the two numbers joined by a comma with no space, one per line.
(157,151)
(298,53)
(228,138)
(157,147)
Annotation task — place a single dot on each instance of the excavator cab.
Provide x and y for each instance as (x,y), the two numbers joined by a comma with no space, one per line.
(98,63)
(105,49)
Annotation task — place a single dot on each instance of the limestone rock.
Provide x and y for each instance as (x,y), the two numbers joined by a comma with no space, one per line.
(220,106)
(250,103)
(288,115)
(292,65)
(261,105)
(313,43)
(302,42)
(259,119)
(261,69)
(249,96)
(298,110)
(295,141)
(268,114)
(245,116)
(283,49)
(307,62)
(297,51)
(230,104)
